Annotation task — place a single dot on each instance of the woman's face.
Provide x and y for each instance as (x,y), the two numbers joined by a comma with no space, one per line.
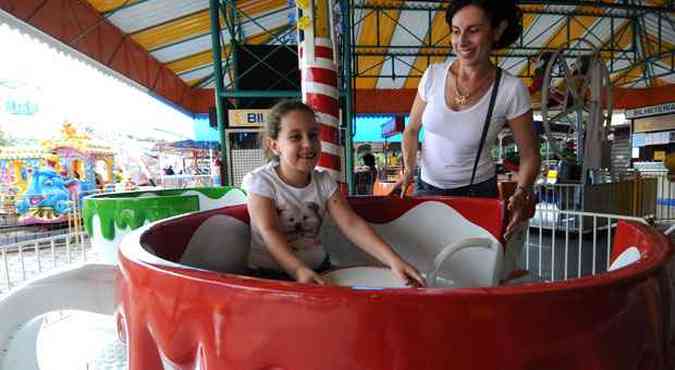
(472,35)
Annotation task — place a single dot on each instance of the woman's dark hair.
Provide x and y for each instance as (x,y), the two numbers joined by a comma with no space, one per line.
(496,11)
(273,123)
(369,160)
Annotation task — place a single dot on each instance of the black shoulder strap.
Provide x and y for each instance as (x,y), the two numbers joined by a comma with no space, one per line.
(498,76)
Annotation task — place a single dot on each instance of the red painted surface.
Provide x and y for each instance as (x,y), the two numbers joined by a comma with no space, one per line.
(399,101)
(322,103)
(611,321)
(324,76)
(633,235)
(331,161)
(319,81)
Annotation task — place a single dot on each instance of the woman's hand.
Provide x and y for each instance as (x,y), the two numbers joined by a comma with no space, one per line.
(304,274)
(407,179)
(519,208)
(407,273)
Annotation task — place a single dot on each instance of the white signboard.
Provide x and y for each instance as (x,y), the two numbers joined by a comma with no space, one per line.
(651,110)
(247,117)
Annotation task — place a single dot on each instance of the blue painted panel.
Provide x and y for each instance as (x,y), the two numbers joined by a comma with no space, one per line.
(368,129)
(202,130)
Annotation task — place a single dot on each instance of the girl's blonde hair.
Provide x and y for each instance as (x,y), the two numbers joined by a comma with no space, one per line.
(273,123)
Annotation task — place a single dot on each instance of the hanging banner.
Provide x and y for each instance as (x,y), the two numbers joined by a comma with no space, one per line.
(247,117)
(651,110)
(655,123)
(392,127)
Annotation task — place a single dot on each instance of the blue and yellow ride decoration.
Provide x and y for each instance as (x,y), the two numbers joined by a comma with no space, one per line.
(45,182)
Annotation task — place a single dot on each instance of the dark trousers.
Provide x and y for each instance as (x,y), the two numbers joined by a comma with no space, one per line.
(485,189)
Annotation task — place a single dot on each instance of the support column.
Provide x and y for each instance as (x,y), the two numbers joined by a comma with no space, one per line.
(318,66)
(220,104)
(347,82)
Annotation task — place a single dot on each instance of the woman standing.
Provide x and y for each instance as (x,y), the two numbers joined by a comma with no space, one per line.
(453,102)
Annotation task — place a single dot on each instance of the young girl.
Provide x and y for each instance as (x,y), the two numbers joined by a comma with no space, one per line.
(288,199)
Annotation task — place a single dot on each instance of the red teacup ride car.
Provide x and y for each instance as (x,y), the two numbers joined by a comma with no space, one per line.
(186,303)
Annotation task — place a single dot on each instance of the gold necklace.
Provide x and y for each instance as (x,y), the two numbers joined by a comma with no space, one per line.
(461,99)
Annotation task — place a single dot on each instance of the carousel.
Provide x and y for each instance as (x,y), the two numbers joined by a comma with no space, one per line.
(41,183)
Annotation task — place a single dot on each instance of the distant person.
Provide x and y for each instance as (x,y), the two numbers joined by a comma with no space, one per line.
(98,180)
(369,161)
(365,178)
(288,199)
(169,171)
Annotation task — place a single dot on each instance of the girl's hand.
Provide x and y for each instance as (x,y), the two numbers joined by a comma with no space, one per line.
(407,273)
(304,274)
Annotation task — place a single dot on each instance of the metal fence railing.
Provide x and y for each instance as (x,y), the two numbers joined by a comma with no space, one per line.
(564,240)
(579,245)
(650,195)
(186,181)
(664,194)
(551,254)
(27,259)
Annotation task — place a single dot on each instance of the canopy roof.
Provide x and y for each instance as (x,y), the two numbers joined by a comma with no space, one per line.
(188,145)
(165,45)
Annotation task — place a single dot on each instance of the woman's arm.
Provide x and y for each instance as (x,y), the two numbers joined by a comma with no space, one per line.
(263,213)
(528,146)
(360,233)
(410,143)
(525,136)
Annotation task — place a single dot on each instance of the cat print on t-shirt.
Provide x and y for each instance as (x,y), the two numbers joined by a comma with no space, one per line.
(301,224)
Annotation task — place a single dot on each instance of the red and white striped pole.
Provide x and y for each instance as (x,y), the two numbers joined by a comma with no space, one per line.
(318,66)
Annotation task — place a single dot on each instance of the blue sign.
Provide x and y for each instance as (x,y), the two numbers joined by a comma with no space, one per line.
(20,108)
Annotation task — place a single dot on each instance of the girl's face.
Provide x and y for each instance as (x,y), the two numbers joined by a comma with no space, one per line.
(297,144)
(472,35)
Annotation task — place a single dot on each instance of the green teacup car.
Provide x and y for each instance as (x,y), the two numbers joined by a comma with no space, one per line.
(109,217)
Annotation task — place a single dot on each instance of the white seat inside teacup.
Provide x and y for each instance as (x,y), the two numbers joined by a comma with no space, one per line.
(367,277)
(467,263)
(627,257)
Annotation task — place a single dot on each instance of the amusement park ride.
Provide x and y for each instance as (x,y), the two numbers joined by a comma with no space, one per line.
(177,285)
(574,96)
(578,96)
(41,184)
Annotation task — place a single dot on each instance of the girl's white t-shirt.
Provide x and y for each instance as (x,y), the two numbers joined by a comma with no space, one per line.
(301,212)
(451,138)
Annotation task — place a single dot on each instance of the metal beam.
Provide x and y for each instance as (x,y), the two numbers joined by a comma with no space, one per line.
(627,6)
(260,94)
(623,72)
(378,29)
(125,5)
(522,52)
(243,23)
(220,103)
(347,85)
(593,8)
(437,35)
